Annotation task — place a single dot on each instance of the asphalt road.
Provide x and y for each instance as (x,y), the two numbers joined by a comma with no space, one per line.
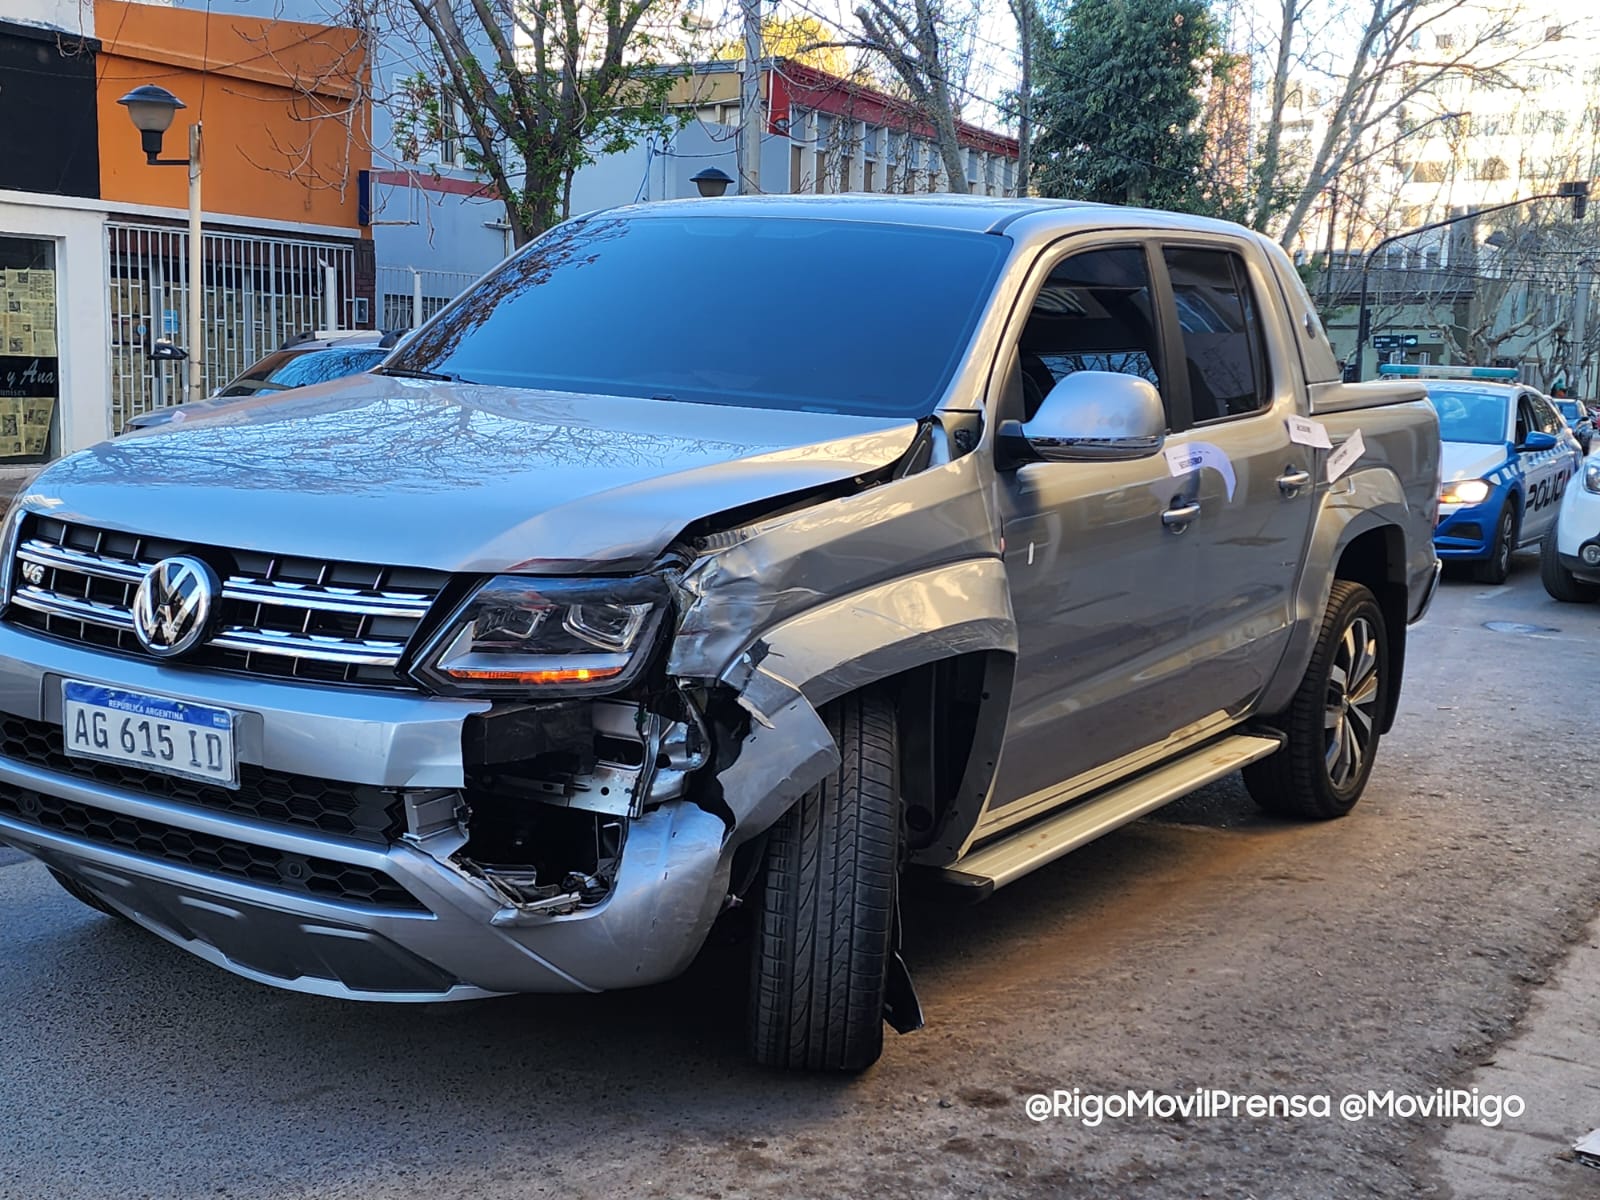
(1210,948)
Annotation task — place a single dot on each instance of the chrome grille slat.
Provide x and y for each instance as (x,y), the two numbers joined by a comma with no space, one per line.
(84,563)
(69,606)
(326,599)
(294,645)
(288,618)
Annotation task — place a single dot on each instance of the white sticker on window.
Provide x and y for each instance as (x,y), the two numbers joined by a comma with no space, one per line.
(1342,459)
(1303,431)
(1191,457)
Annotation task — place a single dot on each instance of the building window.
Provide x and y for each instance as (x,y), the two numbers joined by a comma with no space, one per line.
(867,180)
(29,359)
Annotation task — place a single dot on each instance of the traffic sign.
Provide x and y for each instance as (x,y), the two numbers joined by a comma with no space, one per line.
(1395,341)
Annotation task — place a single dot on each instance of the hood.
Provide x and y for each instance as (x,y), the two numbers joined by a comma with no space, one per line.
(1470,460)
(457,477)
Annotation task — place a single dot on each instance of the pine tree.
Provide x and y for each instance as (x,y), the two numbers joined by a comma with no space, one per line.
(1117,102)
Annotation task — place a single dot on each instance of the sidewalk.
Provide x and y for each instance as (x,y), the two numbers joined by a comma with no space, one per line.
(1553,1063)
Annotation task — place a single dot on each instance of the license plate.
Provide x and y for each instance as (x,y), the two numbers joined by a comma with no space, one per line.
(174,737)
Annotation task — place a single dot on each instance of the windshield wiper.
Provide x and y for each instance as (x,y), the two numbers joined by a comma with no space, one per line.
(414,373)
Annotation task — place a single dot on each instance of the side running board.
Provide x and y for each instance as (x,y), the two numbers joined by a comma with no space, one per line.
(998,863)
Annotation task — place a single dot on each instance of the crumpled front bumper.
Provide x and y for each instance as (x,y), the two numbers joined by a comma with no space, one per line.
(271,897)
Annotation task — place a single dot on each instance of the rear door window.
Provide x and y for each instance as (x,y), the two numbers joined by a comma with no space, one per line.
(1223,351)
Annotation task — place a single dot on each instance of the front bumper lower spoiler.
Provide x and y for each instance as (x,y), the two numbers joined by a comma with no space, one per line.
(669,886)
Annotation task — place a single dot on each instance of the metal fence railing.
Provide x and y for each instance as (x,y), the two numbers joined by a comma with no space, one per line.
(408,296)
(258,290)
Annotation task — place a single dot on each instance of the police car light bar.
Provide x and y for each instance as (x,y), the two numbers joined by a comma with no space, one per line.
(1414,371)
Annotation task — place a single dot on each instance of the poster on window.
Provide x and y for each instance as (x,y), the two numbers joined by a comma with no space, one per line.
(29,365)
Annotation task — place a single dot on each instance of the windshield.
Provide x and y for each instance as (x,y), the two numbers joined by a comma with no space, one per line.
(286,369)
(1569,409)
(1471,416)
(762,312)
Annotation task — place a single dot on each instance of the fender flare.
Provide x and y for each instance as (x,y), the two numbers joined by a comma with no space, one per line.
(840,646)
(843,645)
(1373,500)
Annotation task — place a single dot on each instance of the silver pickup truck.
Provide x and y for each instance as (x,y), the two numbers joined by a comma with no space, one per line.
(738,553)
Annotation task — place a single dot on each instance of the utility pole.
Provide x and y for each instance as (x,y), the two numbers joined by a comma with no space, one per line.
(1577,368)
(1327,263)
(750,118)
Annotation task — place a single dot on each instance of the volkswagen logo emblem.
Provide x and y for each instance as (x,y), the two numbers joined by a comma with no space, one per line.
(172,606)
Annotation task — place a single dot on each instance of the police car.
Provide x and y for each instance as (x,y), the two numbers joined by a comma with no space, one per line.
(1569,559)
(1508,457)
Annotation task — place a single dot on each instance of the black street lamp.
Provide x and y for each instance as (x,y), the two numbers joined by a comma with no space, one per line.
(1576,191)
(712,182)
(151,109)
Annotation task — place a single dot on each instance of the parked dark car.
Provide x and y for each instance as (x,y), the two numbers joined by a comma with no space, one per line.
(1580,417)
(304,359)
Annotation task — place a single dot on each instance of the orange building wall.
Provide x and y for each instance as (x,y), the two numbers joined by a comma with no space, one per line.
(281,141)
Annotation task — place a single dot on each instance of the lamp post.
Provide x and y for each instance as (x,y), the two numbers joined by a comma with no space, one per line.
(151,110)
(1577,192)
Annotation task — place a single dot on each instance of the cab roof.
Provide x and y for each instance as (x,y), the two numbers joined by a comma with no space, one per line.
(978,214)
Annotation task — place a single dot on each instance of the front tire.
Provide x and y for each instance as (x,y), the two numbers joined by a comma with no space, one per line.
(1331,727)
(1557,580)
(826,913)
(1496,569)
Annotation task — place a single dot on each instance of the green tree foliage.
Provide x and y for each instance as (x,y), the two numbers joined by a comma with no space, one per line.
(1117,101)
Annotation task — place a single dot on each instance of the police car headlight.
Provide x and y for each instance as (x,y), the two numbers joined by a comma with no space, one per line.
(1591,475)
(1464,491)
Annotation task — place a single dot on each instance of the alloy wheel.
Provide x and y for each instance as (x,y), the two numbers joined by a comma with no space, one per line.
(1351,712)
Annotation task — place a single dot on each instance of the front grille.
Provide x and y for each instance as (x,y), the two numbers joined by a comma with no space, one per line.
(349,810)
(289,618)
(262,865)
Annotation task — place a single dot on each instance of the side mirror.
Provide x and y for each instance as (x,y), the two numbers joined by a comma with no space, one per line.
(1537,441)
(162,350)
(1090,416)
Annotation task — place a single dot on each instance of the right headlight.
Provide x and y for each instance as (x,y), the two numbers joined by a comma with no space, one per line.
(1591,475)
(530,636)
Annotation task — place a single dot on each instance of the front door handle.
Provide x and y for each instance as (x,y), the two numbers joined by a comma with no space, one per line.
(1177,517)
(1292,480)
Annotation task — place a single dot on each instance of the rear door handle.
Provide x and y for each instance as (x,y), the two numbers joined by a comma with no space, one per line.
(1292,480)
(1177,517)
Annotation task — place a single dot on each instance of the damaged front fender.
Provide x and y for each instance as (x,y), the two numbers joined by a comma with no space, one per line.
(786,753)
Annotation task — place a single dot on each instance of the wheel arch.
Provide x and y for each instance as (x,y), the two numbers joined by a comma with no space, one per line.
(1376,559)
(942,642)
(1362,539)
